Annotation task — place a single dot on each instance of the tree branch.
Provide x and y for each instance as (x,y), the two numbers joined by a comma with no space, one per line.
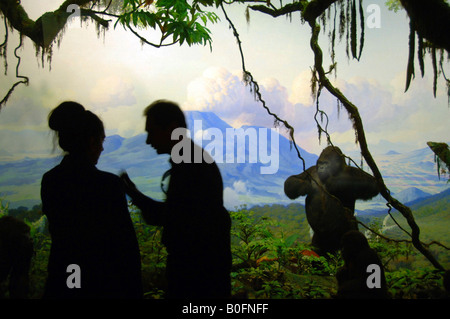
(434,242)
(287,9)
(315,8)
(431,20)
(144,40)
(310,10)
(44,30)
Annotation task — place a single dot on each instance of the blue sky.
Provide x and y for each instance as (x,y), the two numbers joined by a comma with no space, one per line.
(116,77)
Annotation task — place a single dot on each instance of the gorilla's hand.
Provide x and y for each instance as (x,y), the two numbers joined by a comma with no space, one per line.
(296,186)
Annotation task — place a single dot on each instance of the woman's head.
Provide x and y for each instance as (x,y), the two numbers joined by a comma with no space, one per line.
(79,131)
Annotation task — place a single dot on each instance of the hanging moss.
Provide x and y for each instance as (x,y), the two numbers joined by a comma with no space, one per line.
(420,53)
(342,21)
(353,38)
(410,67)
(441,155)
(348,27)
(362,24)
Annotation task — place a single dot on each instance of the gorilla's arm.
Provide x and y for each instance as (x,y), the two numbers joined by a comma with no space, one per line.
(353,182)
(299,185)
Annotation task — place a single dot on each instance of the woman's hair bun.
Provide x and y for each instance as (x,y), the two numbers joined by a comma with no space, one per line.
(74,126)
(65,116)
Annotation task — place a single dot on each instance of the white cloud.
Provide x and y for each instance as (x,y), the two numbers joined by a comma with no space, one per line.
(127,121)
(112,91)
(231,198)
(301,89)
(24,110)
(386,115)
(224,92)
(240,187)
(220,91)
(236,195)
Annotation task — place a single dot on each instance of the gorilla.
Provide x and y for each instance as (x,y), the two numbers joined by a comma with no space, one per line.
(353,277)
(331,188)
(16,251)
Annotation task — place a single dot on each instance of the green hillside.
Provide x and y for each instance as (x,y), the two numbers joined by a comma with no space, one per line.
(431,214)
(290,218)
(269,261)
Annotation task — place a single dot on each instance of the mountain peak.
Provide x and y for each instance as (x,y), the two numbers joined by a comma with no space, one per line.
(410,194)
(112,143)
(392,152)
(208,119)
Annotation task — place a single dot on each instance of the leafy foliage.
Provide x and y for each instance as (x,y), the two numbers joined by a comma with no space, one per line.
(415,284)
(393,5)
(179,19)
(269,262)
(153,256)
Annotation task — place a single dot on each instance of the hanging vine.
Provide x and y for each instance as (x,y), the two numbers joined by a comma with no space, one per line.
(22,79)
(254,87)
(311,11)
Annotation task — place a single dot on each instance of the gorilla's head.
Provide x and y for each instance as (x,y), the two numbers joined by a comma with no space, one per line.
(330,162)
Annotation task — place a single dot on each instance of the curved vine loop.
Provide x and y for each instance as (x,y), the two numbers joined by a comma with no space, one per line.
(23,79)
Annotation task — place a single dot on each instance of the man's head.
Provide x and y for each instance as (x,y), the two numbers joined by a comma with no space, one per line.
(162,118)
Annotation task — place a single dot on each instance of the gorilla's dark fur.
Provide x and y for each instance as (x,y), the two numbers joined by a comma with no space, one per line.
(352,278)
(331,187)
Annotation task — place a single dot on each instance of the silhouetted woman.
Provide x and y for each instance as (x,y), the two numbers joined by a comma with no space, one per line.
(88,216)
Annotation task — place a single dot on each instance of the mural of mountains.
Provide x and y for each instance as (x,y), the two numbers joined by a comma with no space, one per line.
(411,194)
(409,176)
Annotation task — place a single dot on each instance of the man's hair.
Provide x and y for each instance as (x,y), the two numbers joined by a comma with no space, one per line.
(165,112)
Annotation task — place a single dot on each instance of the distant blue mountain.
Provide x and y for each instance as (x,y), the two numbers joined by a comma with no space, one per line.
(411,194)
(410,176)
(392,153)
(112,143)
(145,167)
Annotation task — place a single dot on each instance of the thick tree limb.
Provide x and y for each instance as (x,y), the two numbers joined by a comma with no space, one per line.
(431,20)
(401,240)
(44,30)
(315,8)
(310,10)
(287,9)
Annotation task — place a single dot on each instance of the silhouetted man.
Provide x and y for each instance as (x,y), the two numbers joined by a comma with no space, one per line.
(196,224)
